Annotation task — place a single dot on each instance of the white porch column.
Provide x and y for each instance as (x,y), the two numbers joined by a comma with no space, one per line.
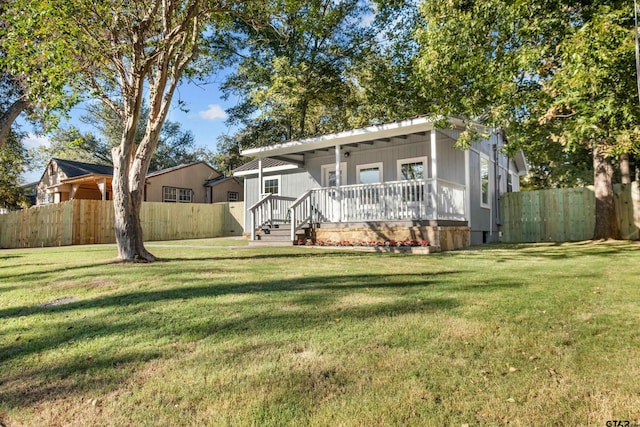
(102,186)
(434,172)
(74,190)
(467,186)
(260,186)
(338,183)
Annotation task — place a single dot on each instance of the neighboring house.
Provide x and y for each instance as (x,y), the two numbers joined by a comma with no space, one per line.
(397,181)
(224,189)
(66,180)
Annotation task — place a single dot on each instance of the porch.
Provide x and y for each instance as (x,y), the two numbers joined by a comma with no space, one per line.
(424,201)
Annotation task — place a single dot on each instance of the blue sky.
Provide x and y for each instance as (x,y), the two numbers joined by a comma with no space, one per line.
(205,117)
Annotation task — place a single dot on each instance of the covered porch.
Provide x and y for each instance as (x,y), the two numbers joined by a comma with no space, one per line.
(427,200)
(397,172)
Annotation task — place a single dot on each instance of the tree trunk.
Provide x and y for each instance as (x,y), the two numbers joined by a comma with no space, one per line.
(127,205)
(606,216)
(625,170)
(8,117)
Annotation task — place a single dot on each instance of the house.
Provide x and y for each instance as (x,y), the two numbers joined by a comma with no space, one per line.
(397,181)
(65,180)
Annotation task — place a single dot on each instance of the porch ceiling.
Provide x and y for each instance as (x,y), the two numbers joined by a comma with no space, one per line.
(355,136)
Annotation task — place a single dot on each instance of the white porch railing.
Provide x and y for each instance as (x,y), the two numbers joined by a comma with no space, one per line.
(269,211)
(389,201)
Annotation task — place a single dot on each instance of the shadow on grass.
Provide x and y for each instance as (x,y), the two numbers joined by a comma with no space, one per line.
(337,282)
(551,251)
(139,322)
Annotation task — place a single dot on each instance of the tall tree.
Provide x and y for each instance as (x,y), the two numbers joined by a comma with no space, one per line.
(13,160)
(565,66)
(294,80)
(123,52)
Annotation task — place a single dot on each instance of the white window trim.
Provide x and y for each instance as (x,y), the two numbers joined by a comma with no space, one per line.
(267,178)
(369,166)
(424,160)
(324,169)
(488,159)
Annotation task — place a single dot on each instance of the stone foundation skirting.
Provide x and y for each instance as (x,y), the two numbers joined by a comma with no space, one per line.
(445,238)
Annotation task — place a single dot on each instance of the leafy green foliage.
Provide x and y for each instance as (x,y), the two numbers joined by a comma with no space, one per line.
(13,161)
(298,77)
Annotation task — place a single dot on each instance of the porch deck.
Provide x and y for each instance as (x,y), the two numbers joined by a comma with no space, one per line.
(408,200)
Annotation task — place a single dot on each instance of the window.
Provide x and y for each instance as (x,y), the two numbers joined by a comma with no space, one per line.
(185,195)
(413,170)
(233,196)
(509,183)
(484,181)
(173,195)
(369,174)
(271,185)
(45,198)
(169,194)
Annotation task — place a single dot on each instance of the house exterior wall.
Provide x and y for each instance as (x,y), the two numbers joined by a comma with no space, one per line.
(219,192)
(52,175)
(292,184)
(191,177)
(451,164)
(414,146)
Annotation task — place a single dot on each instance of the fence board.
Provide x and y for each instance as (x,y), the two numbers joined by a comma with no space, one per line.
(91,221)
(566,214)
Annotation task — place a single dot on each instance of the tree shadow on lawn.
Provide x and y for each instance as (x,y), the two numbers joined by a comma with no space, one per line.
(336,282)
(158,330)
(551,251)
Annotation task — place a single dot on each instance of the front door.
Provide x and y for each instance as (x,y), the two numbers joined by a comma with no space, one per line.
(329,181)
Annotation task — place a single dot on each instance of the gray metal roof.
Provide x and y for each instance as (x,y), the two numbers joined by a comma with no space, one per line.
(266,163)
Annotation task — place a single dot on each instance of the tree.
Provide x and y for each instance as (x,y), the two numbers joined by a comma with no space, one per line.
(121,53)
(563,67)
(12,163)
(294,79)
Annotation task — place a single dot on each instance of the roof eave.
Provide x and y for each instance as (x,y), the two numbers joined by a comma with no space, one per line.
(370,133)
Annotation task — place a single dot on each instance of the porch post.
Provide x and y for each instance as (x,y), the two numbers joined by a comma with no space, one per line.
(467,187)
(102,186)
(434,173)
(338,183)
(259,179)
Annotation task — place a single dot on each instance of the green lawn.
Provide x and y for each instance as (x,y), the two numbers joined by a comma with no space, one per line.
(525,335)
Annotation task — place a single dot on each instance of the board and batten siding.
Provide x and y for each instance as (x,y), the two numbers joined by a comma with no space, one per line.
(450,159)
(292,184)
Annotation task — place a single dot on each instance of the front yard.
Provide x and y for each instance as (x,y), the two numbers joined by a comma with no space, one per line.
(216,335)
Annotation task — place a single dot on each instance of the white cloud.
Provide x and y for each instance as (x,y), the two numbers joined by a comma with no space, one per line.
(35,141)
(213,112)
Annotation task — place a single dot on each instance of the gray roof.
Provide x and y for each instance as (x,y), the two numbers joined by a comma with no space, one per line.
(171,169)
(72,169)
(266,163)
(219,180)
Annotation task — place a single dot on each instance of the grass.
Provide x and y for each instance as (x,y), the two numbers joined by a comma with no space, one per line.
(524,335)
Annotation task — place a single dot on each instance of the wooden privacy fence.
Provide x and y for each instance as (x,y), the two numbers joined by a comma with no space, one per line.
(79,222)
(565,214)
